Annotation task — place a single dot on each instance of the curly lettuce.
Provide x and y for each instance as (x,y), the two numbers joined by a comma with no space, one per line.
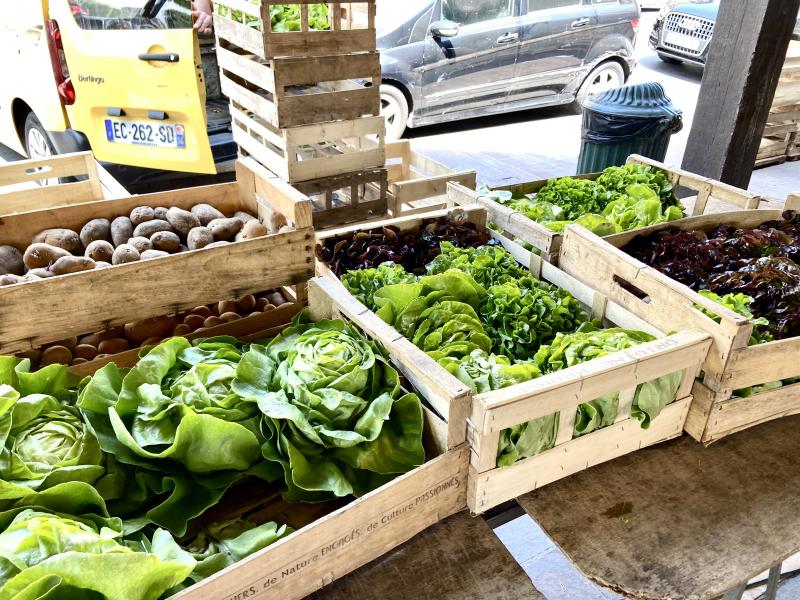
(365,282)
(487,265)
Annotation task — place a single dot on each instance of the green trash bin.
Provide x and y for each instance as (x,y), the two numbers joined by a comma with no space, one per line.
(636,119)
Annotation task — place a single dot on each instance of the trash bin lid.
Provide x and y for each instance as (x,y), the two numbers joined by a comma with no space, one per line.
(642,100)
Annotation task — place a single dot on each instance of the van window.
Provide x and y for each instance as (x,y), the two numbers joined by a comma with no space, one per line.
(132,14)
(466,12)
(536,5)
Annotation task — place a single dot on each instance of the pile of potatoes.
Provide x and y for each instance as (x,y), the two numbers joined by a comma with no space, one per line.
(76,351)
(145,234)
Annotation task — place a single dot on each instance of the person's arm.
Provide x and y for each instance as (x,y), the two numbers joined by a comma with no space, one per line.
(202,15)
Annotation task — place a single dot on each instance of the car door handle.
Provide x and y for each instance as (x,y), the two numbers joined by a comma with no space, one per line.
(170,58)
(508,38)
(580,23)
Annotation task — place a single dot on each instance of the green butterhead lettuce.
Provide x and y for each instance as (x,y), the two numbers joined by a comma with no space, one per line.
(334,415)
(48,554)
(365,282)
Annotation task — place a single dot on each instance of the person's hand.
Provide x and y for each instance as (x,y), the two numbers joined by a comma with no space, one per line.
(202,21)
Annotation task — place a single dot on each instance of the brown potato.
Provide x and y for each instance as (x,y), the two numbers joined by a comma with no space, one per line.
(41,256)
(60,238)
(10,280)
(181,330)
(28,277)
(246,304)
(276,298)
(226,306)
(72,264)
(160,213)
(85,351)
(11,262)
(100,250)
(212,322)
(272,219)
(286,229)
(114,346)
(56,355)
(148,228)
(34,355)
(254,314)
(41,273)
(153,341)
(203,311)
(182,221)
(101,356)
(101,264)
(229,317)
(94,230)
(199,237)
(261,304)
(166,241)
(269,307)
(151,254)
(252,230)
(139,331)
(225,230)
(78,361)
(142,244)
(125,254)
(68,343)
(218,245)
(121,230)
(206,213)
(244,217)
(195,321)
(142,214)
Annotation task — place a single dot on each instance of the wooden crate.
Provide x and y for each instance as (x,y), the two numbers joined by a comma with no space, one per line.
(352,28)
(560,392)
(332,538)
(731,364)
(780,138)
(347,198)
(291,92)
(418,183)
(25,185)
(70,305)
(310,152)
(516,225)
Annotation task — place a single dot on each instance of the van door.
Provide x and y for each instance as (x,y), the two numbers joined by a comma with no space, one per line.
(139,93)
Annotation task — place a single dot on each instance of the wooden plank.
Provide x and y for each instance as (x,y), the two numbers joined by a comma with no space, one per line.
(344,540)
(506,483)
(657,510)
(738,87)
(483,568)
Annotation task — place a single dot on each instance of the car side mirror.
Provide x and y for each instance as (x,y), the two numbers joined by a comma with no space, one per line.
(444,29)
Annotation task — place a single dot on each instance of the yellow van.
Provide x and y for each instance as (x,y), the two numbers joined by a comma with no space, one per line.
(123,78)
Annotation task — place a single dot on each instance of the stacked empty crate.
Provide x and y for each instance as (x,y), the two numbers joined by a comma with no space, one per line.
(306,103)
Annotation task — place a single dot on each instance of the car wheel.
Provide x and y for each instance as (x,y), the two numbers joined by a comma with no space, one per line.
(38,145)
(394,108)
(604,77)
(669,60)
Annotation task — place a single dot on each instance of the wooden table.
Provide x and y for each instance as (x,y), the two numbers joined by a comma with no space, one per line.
(458,559)
(681,521)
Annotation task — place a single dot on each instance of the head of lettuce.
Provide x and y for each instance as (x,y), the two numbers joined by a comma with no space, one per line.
(334,414)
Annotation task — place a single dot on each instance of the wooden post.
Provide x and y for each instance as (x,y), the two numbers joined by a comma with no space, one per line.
(744,64)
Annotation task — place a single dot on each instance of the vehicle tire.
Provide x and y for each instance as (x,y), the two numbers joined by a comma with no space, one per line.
(394,108)
(38,144)
(604,77)
(670,60)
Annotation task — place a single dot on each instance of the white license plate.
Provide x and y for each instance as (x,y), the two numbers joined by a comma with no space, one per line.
(683,41)
(144,133)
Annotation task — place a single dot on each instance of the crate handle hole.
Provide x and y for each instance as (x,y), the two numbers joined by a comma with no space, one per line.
(632,289)
(38,170)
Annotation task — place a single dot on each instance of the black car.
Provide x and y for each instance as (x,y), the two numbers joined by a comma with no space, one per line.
(444,60)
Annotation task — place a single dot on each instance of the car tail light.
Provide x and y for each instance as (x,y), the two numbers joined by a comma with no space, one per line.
(59,62)
(635,25)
